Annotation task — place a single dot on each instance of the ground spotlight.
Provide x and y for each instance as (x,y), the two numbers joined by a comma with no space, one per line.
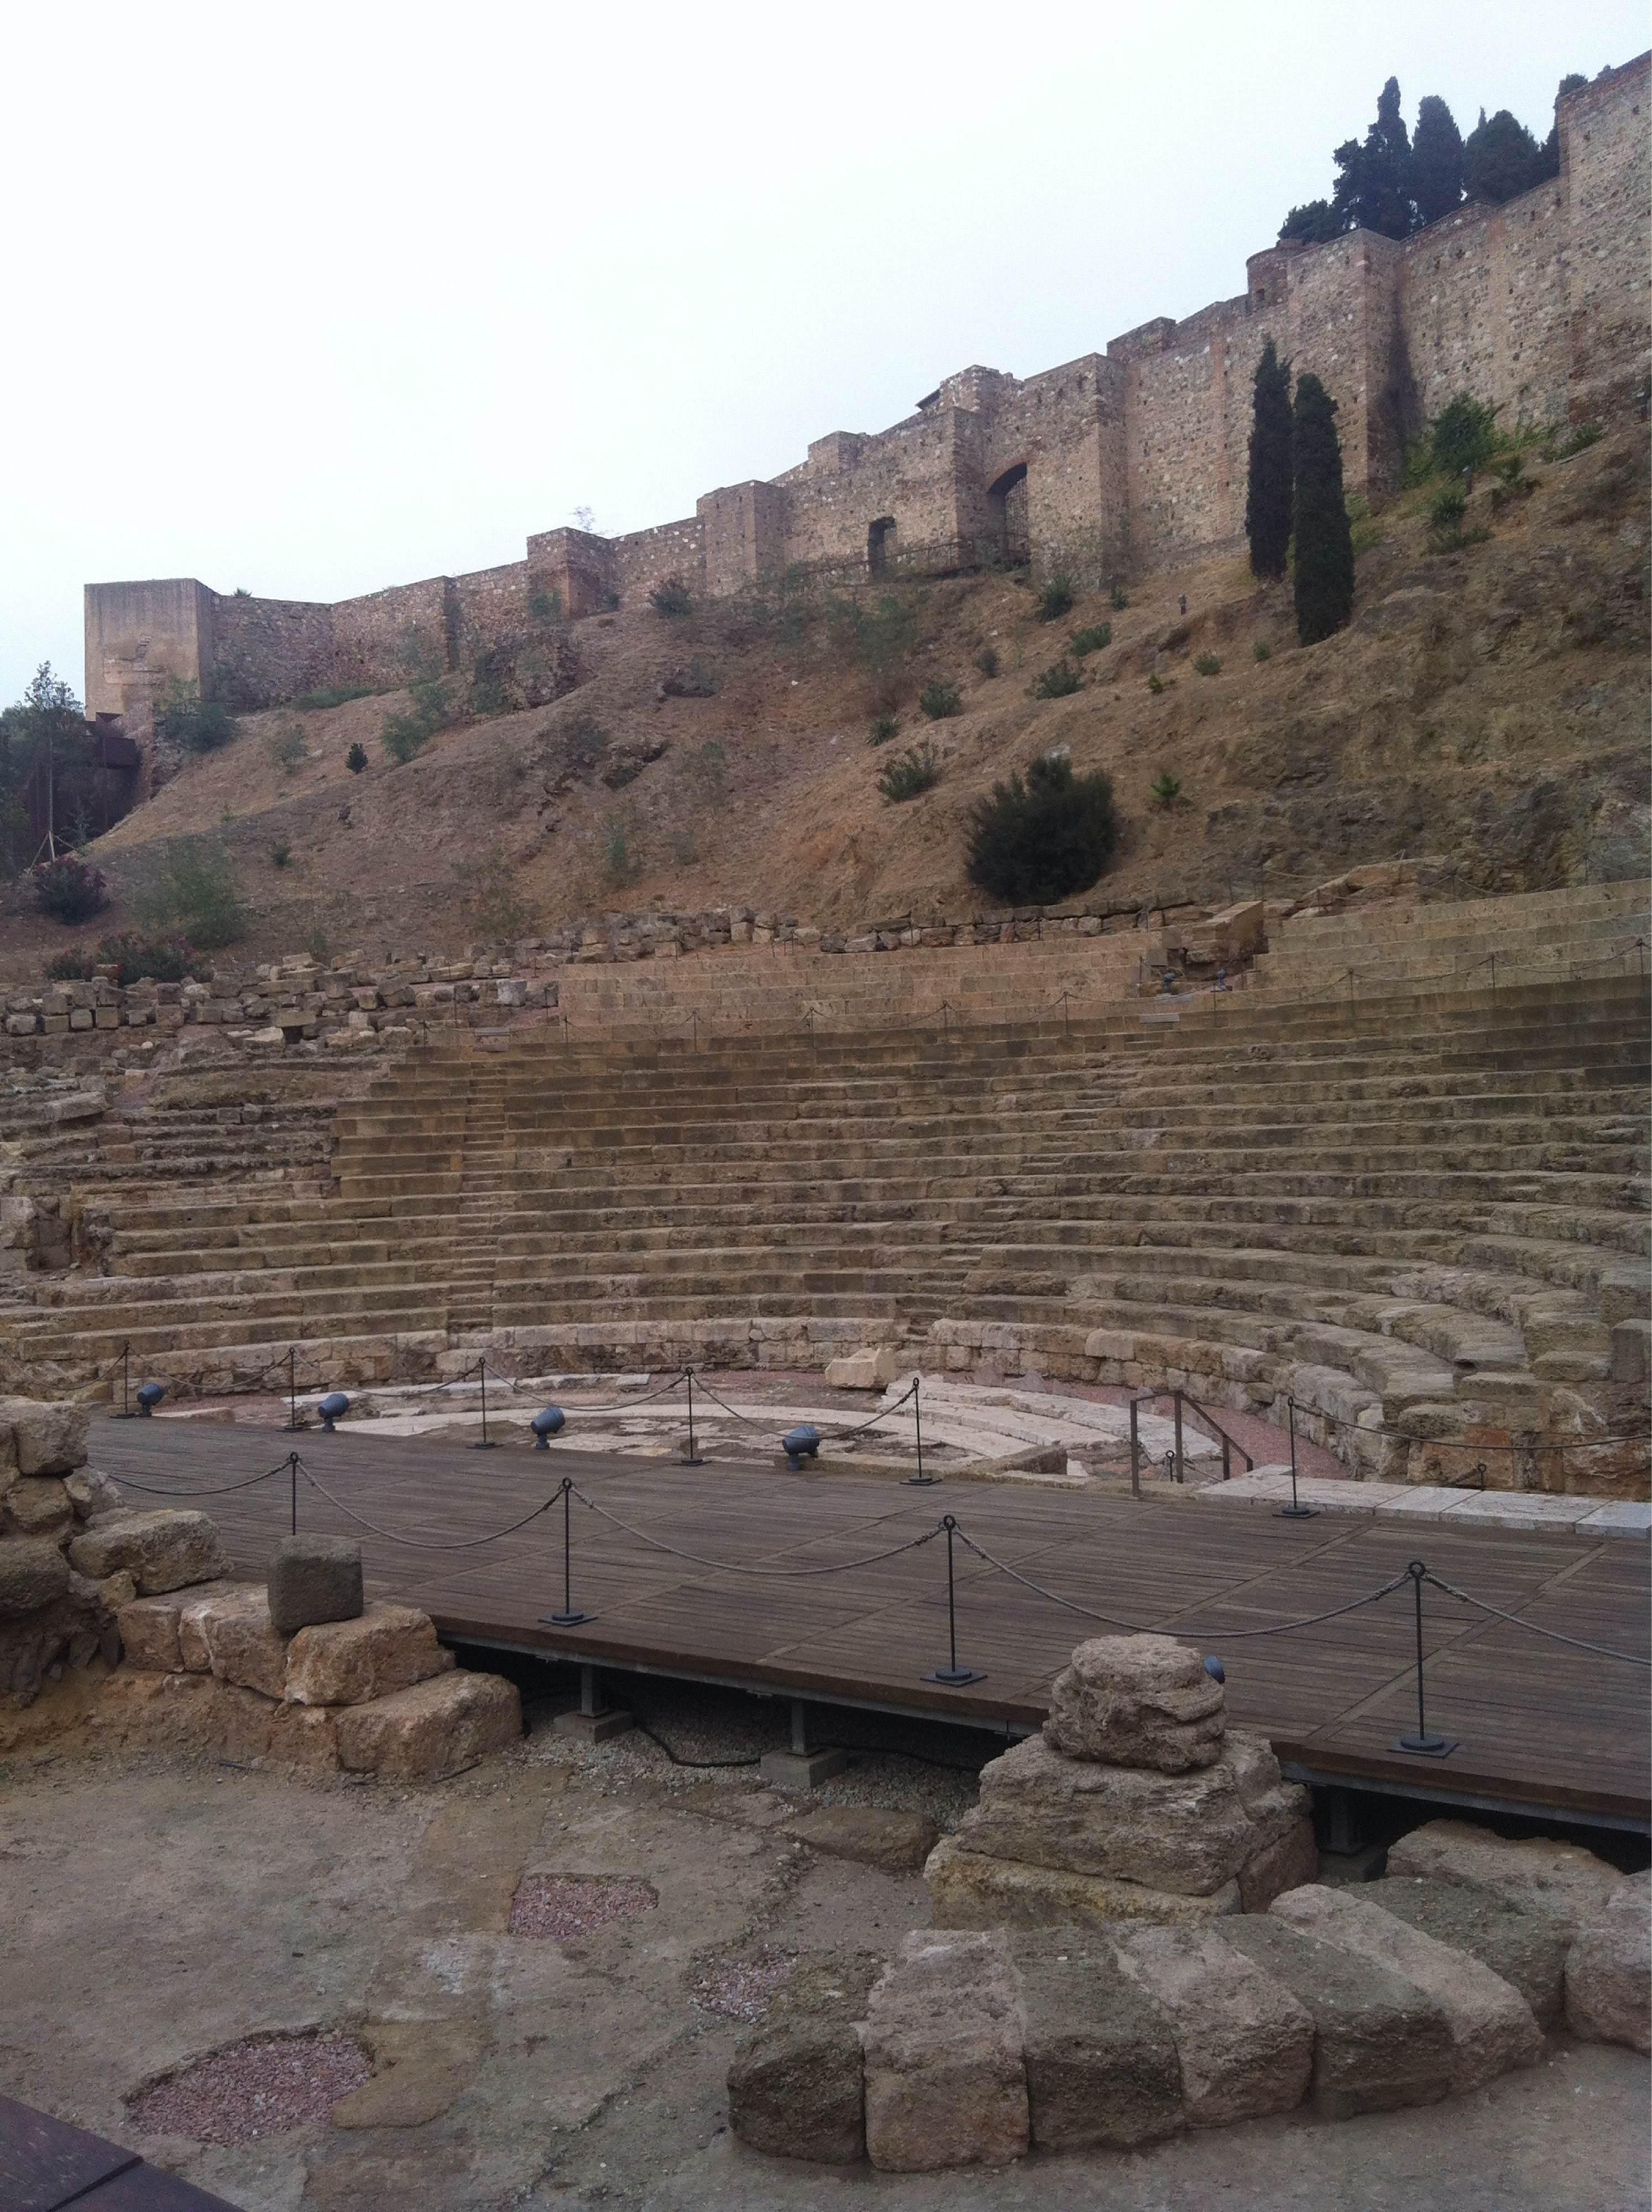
(547,1424)
(150,1395)
(333,1407)
(800,1444)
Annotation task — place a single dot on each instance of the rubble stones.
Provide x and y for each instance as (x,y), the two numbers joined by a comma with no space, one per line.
(91,1493)
(314,1579)
(243,1646)
(971,1889)
(434,1728)
(1535,1874)
(33,1572)
(897,1842)
(945,2082)
(43,1436)
(1245,2044)
(1100,2057)
(1527,1949)
(1492,2024)
(162,1551)
(1609,1969)
(795,2088)
(1138,1701)
(37,1505)
(344,1663)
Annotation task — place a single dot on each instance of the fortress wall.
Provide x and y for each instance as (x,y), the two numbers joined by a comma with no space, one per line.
(645,557)
(1484,309)
(142,633)
(910,472)
(573,568)
(745,535)
(487,608)
(265,649)
(1605,179)
(385,638)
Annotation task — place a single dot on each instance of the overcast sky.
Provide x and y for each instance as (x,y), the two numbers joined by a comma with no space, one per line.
(318,299)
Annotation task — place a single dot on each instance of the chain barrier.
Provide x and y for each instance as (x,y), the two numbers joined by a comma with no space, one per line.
(220,1490)
(832,1428)
(731,1567)
(1577,1643)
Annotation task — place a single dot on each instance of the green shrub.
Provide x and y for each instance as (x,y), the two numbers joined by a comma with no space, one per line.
(285,746)
(693,681)
(1447,509)
(1059,681)
(939,701)
(340,695)
(1261,650)
(883,728)
(914,770)
(193,892)
(407,733)
(356,759)
(619,863)
(1096,639)
(1206,664)
(709,768)
(280,855)
(491,691)
(1575,442)
(159,960)
(1055,597)
(1463,436)
(671,598)
(1034,842)
(1117,599)
(66,889)
(69,968)
(987,660)
(1165,788)
(184,718)
(545,606)
(1156,683)
(684,851)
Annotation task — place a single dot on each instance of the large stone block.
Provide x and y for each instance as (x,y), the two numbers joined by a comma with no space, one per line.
(33,1572)
(972,1889)
(1291,1859)
(43,1435)
(1245,2044)
(37,1505)
(345,1663)
(1100,2057)
(313,1579)
(795,2086)
(899,1842)
(431,1730)
(243,1646)
(1535,1874)
(162,1551)
(945,2081)
(1492,2028)
(149,1635)
(1379,2041)
(1527,1949)
(1609,1970)
(1138,1701)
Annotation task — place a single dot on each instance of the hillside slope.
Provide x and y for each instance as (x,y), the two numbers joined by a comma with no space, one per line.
(1488,704)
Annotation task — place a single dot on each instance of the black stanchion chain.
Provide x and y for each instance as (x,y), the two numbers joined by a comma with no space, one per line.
(834,1428)
(415,1543)
(730,1567)
(1518,1620)
(219,1490)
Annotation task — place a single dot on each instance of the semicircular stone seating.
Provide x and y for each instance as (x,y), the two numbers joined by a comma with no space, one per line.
(1419,1212)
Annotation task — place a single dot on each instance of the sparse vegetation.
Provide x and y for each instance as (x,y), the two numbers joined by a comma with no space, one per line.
(1323,554)
(684,851)
(491,691)
(284,746)
(1261,650)
(280,855)
(914,770)
(1035,842)
(497,910)
(709,768)
(1206,664)
(1575,442)
(1364,530)
(939,700)
(1116,598)
(588,742)
(545,606)
(184,718)
(619,863)
(1059,681)
(1156,683)
(1447,510)
(694,681)
(883,728)
(1463,436)
(356,758)
(408,732)
(159,959)
(1095,639)
(1055,597)
(1165,789)
(192,892)
(340,695)
(319,945)
(671,598)
(67,889)
(987,660)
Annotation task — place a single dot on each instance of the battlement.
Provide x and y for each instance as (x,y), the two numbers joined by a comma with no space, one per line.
(1110,465)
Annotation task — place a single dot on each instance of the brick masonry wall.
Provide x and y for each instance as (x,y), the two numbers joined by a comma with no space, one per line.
(1133,459)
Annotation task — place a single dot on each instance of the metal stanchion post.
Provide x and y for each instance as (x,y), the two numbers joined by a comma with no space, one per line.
(569,1617)
(292,1470)
(292,1389)
(952,1674)
(920,1480)
(1295,1511)
(1426,1744)
(691,1457)
(1135,1448)
(486,1443)
(125,1412)
(1181,1464)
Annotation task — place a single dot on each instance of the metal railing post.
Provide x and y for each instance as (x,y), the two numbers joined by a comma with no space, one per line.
(1181,1469)
(1425,1743)
(1135,1448)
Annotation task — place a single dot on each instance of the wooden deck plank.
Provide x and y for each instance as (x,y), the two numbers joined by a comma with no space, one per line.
(1538,1722)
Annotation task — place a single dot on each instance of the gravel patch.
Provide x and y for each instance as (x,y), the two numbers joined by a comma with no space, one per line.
(740,1989)
(564,1907)
(263,2085)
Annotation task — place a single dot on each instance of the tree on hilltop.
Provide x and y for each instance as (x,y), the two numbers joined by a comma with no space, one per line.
(1501,158)
(1436,161)
(1324,591)
(1373,186)
(1267,493)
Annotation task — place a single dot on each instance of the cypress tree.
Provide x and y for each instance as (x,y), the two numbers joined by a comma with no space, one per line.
(1436,160)
(1267,493)
(1324,550)
(1501,158)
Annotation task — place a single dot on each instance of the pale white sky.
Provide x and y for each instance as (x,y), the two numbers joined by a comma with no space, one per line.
(317,299)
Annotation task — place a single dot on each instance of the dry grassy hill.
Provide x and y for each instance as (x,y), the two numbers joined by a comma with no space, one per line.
(1488,704)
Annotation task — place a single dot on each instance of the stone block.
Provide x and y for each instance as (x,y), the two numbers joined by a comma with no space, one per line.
(1379,2041)
(897,1842)
(346,1663)
(1492,2029)
(33,1572)
(795,2086)
(91,1493)
(971,1889)
(434,1728)
(945,2081)
(1245,2044)
(244,1647)
(46,1435)
(853,1370)
(195,1609)
(1100,2057)
(37,1505)
(1138,1701)
(162,1551)
(1289,1861)
(1609,1970)
(149,1635)
(1535,1874)
(1527,1949)
(314,1579)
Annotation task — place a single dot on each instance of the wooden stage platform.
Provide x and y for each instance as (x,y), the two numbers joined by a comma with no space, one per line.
(1541,1726)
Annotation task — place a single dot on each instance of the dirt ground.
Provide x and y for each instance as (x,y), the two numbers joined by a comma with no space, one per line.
(155,1912)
